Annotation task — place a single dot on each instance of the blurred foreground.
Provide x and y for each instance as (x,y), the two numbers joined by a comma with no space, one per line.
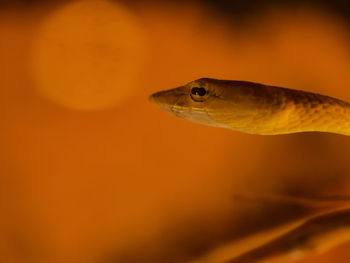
(91,172)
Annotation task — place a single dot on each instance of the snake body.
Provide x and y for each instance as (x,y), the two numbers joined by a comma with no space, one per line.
(255,108)
(266,110)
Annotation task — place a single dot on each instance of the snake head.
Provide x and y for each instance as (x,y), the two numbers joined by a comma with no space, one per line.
(197,101)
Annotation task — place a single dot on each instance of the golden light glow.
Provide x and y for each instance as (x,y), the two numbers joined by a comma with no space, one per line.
(134,184)
(87,55)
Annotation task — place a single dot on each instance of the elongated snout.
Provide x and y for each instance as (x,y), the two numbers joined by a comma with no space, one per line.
(168,99)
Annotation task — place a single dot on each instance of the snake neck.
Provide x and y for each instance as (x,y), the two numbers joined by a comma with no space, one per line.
(280,111)
(304,111)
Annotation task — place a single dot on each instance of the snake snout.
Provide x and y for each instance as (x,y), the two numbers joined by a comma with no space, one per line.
(162,98)
(165,99)
(153,98)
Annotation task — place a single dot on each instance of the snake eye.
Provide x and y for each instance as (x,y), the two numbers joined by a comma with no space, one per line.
(198,91)
(199,94)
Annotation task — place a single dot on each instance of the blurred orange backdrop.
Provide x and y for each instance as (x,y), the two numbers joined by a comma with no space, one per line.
(91,172)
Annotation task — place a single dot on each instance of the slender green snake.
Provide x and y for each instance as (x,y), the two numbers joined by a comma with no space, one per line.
(267,110)
(255,108)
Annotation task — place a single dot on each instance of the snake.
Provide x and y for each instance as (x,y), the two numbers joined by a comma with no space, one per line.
(255,108)
(260,109)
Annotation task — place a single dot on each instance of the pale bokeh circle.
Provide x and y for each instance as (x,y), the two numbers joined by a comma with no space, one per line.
(87,55)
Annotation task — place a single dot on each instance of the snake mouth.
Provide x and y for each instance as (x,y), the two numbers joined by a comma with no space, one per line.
(163,100)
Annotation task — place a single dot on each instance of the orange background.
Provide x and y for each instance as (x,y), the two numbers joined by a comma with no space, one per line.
(92,172)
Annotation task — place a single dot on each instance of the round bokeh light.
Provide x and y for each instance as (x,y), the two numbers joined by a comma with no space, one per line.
(87,55)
